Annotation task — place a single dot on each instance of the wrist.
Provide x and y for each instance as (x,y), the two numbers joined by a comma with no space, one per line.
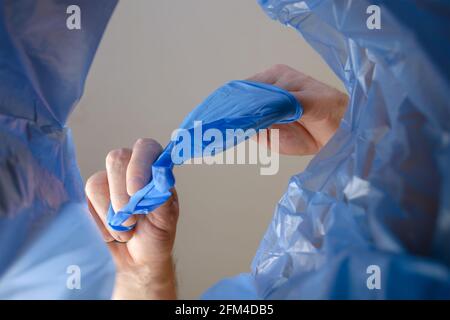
(147,282)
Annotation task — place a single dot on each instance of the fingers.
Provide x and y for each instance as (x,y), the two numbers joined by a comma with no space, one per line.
(264,77)
(323,108)
(97,192)
(282,76)
(127,171)
(145,152)
(296,140)
(116,168)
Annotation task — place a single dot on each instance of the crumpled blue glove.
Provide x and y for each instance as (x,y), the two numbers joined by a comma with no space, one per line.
(236,105)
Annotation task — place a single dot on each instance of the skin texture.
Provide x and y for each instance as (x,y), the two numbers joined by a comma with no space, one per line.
(143,256)
(323,106)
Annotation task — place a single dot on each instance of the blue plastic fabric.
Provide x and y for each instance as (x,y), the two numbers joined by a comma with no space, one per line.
(379,192)
(45,229)
(240,105)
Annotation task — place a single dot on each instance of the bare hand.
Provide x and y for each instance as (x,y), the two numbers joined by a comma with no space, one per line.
(143,256)
(323,106)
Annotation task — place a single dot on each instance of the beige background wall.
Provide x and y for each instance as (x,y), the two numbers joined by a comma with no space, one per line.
(157,61)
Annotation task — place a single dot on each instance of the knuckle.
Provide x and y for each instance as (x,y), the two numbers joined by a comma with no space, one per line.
(136,180)
(88,188)
(119,200)
(280,68)
(148,142)
(108,238)
(94,182)
(118,157)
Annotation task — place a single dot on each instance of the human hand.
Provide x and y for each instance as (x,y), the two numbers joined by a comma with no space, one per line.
(323,106)
(143,256)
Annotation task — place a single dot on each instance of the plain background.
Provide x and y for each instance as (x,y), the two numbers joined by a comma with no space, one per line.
(157,61)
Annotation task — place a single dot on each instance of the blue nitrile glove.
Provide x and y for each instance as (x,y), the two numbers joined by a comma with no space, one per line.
(236,105)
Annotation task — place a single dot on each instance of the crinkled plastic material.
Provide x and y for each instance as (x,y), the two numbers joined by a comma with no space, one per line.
(377,196)
(238,105)
(49,247)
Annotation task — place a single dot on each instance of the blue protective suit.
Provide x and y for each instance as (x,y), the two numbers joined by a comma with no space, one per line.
(378,194)
(47,239)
